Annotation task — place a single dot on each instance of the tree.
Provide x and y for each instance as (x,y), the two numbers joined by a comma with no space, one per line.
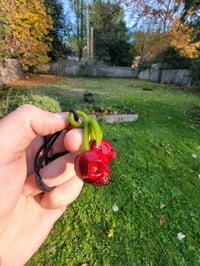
(184,39)
(181,37)
(110,33)
(78,26)
(172,58)
(147,43)
(29,25)
(106,14)
(57,32)
(160,14)
(191,11)
(162,27)
(111,50)
(190,5)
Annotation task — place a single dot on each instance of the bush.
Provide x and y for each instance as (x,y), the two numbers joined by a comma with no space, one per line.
(172,58)
(145,65)
(44,102)
(195,71)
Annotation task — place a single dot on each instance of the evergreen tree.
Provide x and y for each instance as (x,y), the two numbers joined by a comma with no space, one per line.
(110,33)
(57,33)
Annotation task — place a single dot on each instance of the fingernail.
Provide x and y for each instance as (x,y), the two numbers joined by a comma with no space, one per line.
(61,115)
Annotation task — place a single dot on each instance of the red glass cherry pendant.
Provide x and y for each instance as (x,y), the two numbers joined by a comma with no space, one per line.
(93,166)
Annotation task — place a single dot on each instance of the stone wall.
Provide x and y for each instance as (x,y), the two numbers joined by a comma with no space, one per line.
(10,70)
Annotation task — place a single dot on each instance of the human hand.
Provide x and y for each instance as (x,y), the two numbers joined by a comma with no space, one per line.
(26,214)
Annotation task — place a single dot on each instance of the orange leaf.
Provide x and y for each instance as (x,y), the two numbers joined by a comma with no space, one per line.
(162,221)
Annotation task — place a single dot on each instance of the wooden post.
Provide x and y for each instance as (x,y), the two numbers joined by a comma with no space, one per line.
(92,43)
(88,29)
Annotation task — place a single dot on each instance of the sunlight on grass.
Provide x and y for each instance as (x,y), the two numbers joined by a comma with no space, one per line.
(154,184)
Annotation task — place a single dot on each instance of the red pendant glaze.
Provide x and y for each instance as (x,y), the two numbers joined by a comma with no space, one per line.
(93,166)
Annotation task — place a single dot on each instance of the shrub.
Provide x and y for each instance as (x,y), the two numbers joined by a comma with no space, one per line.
(195,71)
(172,58)
(44,102)
(146,64)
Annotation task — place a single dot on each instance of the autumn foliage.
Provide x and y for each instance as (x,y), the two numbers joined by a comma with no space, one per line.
(161,26)
(181,36)
(28,26)
(183,39)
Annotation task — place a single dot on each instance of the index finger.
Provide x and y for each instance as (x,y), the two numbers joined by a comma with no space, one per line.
(19,128)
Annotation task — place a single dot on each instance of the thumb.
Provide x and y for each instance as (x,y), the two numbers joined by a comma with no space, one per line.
(20,127)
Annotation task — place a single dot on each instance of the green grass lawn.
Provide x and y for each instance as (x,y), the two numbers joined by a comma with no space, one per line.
(154,191)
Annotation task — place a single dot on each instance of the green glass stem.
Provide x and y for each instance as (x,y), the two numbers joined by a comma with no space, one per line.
(86,146)
(91,128)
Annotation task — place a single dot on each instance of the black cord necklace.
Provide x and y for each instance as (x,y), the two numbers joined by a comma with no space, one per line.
(42,157)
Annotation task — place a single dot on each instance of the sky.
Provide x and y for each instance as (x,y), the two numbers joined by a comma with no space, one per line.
(131,17)
(68,12)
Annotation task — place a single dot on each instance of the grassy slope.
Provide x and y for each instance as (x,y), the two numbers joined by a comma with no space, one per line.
(155,166)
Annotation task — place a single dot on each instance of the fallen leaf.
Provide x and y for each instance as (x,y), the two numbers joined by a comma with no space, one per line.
(161,221)
(110,233)
(168,152)
(162,206)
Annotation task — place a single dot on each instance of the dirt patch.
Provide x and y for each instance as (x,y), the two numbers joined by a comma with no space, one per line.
(37,79)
